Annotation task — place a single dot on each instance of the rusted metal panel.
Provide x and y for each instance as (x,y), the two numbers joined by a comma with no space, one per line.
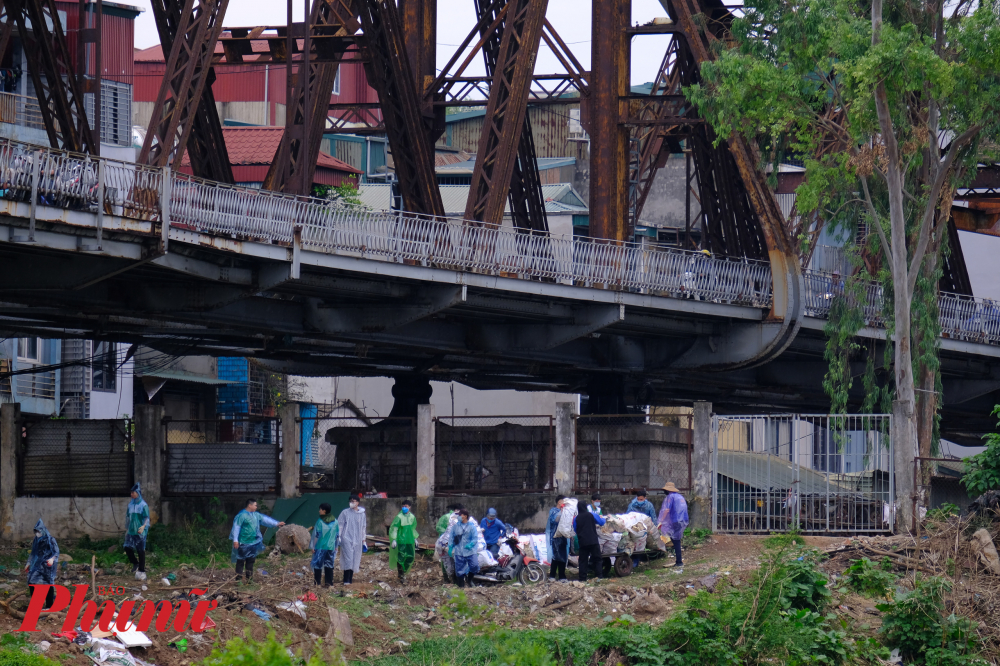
(609,83)
(549,127)
(348,151)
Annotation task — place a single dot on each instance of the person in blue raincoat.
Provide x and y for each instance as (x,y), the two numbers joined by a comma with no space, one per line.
(43,563)
(136,532)
(325,538)
(248,542)
(558,547)
(464,539)
(673,519)
(642,505)
(493,529)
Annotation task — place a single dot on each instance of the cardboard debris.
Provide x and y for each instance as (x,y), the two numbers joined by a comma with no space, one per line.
(340,628)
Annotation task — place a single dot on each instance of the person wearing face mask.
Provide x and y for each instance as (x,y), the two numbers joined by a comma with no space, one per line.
(135,533)
(493,530)
(403,536)
(464,538)
(442,547)
(43,563)
(325,535)
(595,504)
(558,547)
(248,542)
(353,527)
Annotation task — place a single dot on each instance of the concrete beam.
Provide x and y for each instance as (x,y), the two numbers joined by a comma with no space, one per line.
(10,441)
(373,318)
(425,450)
(703,441)
(565,468)
(291,450)
(150,450)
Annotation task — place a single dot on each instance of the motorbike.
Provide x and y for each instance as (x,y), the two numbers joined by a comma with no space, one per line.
(516,566)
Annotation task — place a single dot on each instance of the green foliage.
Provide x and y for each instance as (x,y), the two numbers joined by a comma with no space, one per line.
(345,194)
(17,650)
(916,625)
(269,652)
(784,540)
(457,607)
(943,512)
(982,471)
(695,536)
(804,586)
(871,579)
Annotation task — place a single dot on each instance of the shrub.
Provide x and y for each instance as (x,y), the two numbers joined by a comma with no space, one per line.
(917,626)
(873,580)
(16,650)
(268,652)
(982,471)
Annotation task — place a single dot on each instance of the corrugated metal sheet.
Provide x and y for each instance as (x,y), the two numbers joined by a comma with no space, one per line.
(349,151)
(549,127)
(77,457)
(763,470)
(117,42)
(231,467)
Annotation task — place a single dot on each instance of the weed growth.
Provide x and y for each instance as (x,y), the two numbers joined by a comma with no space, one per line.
(268,652)
(16,650)
(874,580)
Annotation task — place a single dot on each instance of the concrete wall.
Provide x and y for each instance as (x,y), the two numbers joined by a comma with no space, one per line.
(69,517)
(665,205)
(254,113)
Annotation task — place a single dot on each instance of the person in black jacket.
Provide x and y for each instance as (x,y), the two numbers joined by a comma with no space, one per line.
(585,525)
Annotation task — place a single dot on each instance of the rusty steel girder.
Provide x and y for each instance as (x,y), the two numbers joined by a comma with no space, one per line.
(189,30)
(389,73)
(60,99)
(504,124)
(527,205)
(294,164)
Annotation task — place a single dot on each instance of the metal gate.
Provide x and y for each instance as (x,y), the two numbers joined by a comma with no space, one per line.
(493,454)
(77,457)
(809,472)
(222,456)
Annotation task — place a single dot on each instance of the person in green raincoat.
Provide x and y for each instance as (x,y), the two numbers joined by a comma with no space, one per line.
(326,534)
(403,536)
(248,542)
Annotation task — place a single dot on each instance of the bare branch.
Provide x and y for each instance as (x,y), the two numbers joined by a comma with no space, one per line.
(876,221)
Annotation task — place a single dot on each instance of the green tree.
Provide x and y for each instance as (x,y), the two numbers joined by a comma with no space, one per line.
(889,105)
(346,193)
(982,471)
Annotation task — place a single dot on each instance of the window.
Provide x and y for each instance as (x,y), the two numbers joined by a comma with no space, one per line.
(336,81)
(29,349)
(105,367)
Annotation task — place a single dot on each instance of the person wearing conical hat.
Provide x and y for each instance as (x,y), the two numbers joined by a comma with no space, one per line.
(673,519)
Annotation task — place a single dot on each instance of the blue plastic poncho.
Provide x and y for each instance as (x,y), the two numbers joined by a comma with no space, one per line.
(138,517)
(673,516)
(43,549)
(324,542)
(464,538)
(644,507)
(550,532)
(492,529)
(246,530)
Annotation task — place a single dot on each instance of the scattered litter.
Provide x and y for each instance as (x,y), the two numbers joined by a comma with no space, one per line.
(181,645)
(263,572)
(43,646)
(207,623)
(385,586)
(422,625)
(392,622)
(262,614)
(308,596)
(133,638)
(299,574)
(165,581)
(68,635)
(171,577)
(144,588)
(296,607)
(112,657)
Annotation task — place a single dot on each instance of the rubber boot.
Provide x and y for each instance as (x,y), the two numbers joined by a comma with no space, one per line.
(460,580)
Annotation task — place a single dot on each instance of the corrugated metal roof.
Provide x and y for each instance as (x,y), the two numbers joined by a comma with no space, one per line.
(561,198)
(763,470)
(466,167)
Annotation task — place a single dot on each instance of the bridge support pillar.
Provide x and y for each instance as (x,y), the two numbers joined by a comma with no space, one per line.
(565,454)
(291,450)
(150,449)
(10,439)
(425,451)
(904,451)
(700,505)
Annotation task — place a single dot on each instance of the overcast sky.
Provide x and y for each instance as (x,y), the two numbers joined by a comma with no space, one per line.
(571,19)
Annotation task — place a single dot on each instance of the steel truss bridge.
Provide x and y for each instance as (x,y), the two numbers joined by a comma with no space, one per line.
(91,247)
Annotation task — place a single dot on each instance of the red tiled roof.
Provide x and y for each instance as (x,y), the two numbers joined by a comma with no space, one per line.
(443,158)
(257,145)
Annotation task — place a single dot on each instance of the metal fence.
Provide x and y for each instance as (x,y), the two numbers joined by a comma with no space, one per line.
(631,451)
(363,454)
(209,457)
(76,457)
(809,472)
(493,454)
(20,110)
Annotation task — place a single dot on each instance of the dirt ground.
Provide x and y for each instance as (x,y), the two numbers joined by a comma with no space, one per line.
(385,617)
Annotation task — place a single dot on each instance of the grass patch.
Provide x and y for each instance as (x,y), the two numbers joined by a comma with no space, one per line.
(16,650)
